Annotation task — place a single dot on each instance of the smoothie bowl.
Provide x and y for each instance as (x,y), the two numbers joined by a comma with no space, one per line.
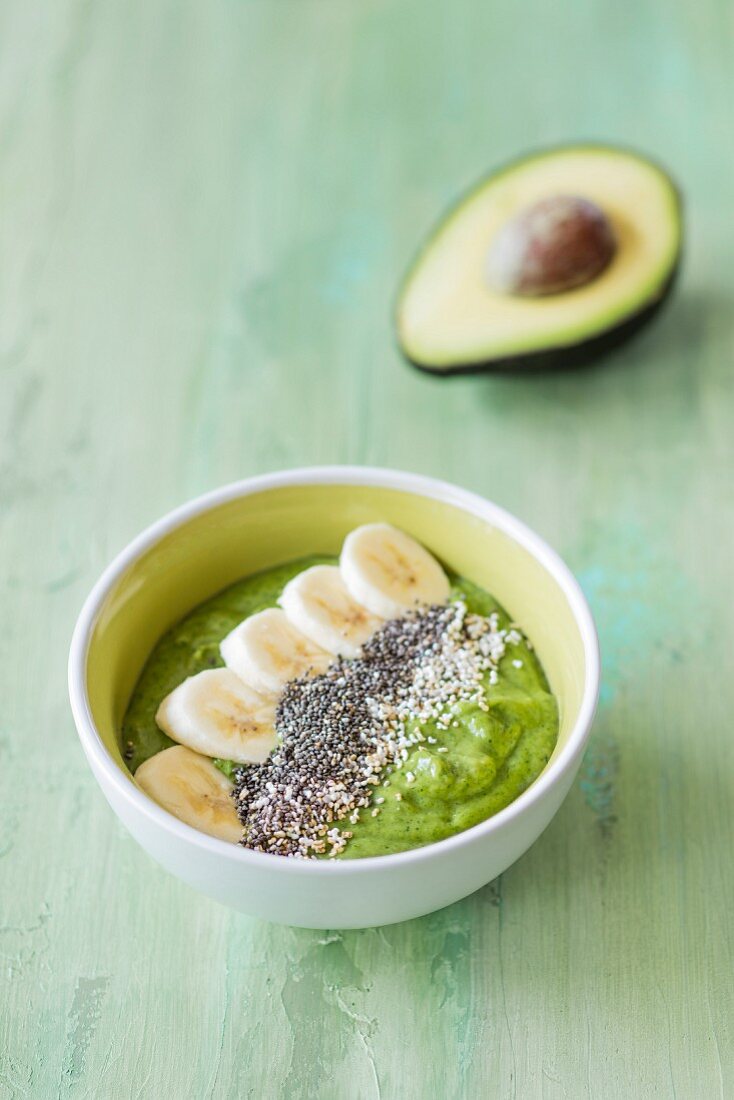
(335,697)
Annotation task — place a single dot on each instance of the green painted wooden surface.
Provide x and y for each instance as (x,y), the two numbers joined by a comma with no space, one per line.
(204,209)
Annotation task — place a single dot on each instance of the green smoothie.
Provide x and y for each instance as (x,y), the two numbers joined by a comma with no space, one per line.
(460,777)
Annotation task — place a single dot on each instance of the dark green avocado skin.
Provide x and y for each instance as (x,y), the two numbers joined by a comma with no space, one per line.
(568,356)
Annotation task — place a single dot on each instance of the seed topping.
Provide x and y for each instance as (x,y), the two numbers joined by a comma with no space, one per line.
(342,733)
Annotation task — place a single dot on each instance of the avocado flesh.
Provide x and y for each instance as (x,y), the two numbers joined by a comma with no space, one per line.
(450,320)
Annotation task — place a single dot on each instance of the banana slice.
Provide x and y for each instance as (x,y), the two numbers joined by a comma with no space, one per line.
(389,572)
(193,790)
(318,604)
(266,651)
(216,714)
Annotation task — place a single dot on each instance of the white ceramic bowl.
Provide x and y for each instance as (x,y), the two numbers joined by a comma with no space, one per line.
(205,545)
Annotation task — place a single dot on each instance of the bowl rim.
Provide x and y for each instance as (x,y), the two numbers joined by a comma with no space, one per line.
(108,772)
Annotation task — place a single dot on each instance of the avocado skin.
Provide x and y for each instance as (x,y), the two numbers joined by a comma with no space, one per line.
(569,356)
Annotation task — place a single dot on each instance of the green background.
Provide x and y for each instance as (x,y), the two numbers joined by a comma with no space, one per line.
(204,211)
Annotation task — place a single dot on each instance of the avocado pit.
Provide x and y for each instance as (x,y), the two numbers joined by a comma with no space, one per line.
(555,245)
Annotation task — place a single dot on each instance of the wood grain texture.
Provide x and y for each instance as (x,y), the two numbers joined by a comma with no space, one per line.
(204,211)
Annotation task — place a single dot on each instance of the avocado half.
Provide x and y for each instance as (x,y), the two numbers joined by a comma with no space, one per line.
(451,320)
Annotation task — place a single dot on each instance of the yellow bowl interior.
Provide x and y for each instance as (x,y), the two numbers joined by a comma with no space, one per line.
(214,549)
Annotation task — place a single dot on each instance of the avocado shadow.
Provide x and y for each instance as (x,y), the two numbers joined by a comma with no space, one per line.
(658,355)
